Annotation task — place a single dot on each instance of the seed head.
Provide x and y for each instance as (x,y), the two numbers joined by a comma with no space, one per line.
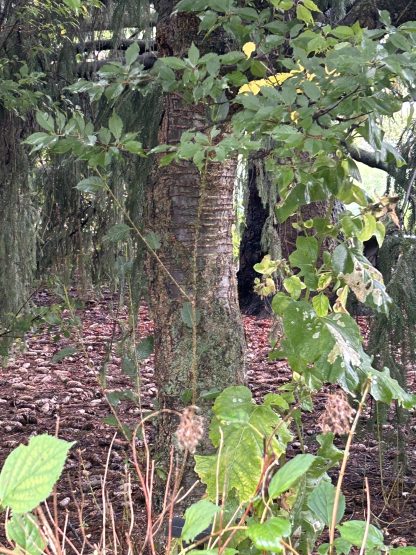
(190,429)
(338,414)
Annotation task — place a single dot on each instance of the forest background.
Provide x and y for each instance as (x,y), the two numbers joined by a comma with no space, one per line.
(155,149)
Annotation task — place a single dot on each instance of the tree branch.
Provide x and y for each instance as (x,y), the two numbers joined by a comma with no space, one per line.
(111,44)
(87,69)
(369,159)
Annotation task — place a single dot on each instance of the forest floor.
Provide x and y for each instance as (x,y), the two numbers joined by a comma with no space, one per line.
(38,396)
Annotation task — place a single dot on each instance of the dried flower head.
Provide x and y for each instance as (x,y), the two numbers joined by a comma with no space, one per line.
(338,414)
(190,429)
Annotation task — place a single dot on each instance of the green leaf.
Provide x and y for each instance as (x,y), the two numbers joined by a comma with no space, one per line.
(23,530)
(39,140)
(132,53)
(135,147)
(245,427)
(145,347)
(197,518)
(403,550)
(267,535)
(321,502)
(342,261)
(353,532)
(174,63)
(384,388)
(304,14)
(369,227)
(380,233)
(321,304)
(280,302)
(266,267)
(115,125)
(286,476)
(153,240)
(311,90)
(45,121)
(118,232)
(63,353)
(31,471)
(311,5)
(294,286)
(187,315)
(304,258)
(92,184)
(73,4)
(193,54)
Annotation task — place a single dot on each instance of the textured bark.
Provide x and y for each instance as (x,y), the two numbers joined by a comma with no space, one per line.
(192,215)
(367,12)
(17,234)
(176,197)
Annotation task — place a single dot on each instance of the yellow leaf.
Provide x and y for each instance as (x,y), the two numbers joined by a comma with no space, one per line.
(249,48)
(294,116)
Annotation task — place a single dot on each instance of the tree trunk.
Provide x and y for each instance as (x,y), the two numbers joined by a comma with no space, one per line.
(193,214)
(17,233)
(367,12)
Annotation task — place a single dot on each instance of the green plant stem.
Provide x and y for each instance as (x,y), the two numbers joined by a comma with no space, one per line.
(146,243)
(344,466)
(367,523)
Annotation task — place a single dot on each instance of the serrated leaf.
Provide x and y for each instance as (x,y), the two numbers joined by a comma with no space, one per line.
(63,353)
(286,476)
(115,125)
(134,147)
(118,232)
(31,471)
(321,502)
(245,425)
(153,240)
(174,63)
(197,518)
(267,535)
(92,184)
(23,530)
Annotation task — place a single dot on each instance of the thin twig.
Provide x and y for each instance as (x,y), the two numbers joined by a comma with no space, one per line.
(344,466)
(367,523)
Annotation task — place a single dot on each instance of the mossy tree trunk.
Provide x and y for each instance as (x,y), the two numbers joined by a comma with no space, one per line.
(193,214)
